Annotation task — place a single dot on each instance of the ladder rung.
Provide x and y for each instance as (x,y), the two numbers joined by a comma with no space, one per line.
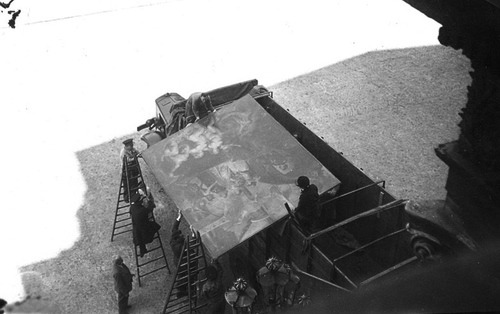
(195,245)
(203,280)
(182,312)
(193,273)
(180,307)
(180,300)
(154,249)
(184,282)
(154,270)
(193,265)
(122,213)
(178,284)
(120,207)
(122,220)
(191,254)
(197,257)
(123,225)
(184,267)
(148,262)
(182,275)
(191,257)
(200,306)
(173,297)
(121,232)
(184,258)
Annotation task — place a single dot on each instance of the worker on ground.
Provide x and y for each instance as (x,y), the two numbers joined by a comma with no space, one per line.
(127,156)
(143,228)
(241,297)
(273,277)
(308,211)
(123,284)
(291,286)
(213,290)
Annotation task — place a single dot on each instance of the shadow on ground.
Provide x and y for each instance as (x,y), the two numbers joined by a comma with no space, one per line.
(386,110)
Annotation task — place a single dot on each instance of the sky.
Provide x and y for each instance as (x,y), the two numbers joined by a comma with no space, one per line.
(75,74)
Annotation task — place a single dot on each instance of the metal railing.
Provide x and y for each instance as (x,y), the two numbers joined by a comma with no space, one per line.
(354,191)
(367,213)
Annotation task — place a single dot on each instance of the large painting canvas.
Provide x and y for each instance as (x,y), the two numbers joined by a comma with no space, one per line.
(231,173)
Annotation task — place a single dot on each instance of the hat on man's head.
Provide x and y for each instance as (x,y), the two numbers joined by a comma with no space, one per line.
(273,264)
(302,182)
(128,141)
(118,260)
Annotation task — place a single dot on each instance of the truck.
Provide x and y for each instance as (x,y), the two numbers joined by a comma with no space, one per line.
(232,173)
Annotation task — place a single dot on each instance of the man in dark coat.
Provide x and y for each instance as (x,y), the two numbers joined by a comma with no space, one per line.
(240,297)
(123,284)
(213,290)
(143,228)
(308,210)
(177,239)
(176,244)
(198,105)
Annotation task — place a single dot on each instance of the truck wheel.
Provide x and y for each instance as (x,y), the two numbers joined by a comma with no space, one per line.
(423,248)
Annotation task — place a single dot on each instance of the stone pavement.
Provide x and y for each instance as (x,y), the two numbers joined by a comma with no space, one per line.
(384,110)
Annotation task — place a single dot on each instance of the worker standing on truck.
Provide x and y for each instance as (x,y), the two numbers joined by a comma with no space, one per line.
(241,297)
(198,106)
(176,244)
(213,289)
(308,211)
(177,240)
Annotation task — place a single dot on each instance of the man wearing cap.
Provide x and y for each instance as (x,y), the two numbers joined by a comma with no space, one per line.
(143,228)
(123,284)
(308,210)
(127,155)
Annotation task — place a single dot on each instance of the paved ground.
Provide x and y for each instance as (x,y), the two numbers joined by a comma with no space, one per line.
(74,77)
(384,110)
